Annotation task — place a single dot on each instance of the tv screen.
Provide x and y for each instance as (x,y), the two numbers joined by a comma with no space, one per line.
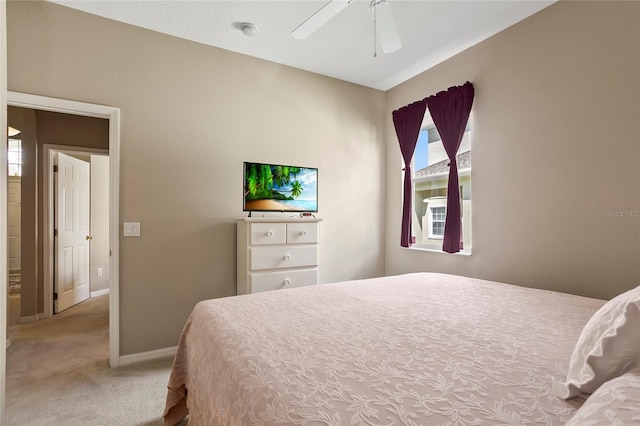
(279,188)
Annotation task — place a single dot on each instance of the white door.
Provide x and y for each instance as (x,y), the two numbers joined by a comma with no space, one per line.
(72,226)
(13,223)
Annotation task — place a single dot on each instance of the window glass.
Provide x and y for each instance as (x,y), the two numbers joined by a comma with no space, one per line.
(430,181)
(14,156)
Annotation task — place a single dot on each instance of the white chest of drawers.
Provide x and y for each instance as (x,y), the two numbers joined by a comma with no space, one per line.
(276,253)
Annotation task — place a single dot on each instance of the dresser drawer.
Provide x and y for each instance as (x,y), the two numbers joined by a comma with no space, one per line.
(266,281)
(282,257)
(268,233)
(302,233)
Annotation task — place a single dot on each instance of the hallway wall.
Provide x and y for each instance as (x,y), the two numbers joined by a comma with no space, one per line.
(99,223)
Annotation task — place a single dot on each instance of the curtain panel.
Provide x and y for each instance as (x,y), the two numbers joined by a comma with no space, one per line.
(407,121)
(450,112)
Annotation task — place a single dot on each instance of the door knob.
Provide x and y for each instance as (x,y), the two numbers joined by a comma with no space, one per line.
(88,237)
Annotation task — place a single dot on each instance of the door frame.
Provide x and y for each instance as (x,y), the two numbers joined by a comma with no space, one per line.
(4,294)
(48,241)
(37,102)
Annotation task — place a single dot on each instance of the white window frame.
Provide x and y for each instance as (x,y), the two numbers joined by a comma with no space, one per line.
(432,246)
(432,221)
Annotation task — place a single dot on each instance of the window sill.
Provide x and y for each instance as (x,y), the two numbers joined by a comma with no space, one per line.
(420,247)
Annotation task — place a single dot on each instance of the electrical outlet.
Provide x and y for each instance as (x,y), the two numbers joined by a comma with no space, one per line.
(99,272)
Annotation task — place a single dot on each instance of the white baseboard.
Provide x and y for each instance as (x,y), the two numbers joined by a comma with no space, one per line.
(147,356)
(32,318)
(99,292)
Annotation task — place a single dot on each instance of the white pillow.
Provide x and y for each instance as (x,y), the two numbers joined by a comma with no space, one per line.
(616,402)
(609,346)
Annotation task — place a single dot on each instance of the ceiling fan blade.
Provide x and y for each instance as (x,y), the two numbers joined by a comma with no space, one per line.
(386,28)
(319,18)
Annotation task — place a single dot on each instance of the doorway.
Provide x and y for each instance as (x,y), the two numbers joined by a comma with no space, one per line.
(91,276)
(89,257)
(112,114)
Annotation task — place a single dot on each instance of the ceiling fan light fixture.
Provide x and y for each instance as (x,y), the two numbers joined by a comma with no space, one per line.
(386,26)
(11,132)
(319,18)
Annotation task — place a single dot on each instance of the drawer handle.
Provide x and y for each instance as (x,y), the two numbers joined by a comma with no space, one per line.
(286,282)
(286,257)
(269,234)
(303,232)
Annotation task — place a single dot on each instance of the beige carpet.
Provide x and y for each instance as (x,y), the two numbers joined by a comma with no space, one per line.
(58,374)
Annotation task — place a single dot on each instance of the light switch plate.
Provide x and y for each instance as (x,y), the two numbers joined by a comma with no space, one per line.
(132,229)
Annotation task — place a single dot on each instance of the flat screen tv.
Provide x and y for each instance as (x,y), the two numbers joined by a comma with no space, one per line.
(280,188)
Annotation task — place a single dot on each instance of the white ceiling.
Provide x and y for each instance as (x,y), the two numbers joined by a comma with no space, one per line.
(430,31)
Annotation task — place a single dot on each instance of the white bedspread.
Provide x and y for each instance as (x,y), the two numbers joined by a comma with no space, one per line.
(416,349)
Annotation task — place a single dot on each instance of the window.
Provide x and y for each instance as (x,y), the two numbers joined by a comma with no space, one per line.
(14,155)
(436,225)
(430,181)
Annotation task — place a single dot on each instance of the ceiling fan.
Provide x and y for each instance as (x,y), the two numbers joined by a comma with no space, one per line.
(383,21)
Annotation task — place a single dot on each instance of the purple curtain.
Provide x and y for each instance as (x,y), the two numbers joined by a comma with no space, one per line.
(450,112)
(408,121)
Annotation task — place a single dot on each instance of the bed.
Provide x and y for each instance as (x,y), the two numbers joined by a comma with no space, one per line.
(414,349)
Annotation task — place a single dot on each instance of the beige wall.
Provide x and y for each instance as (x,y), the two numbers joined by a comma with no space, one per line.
(73,130)
(99,222)
(556,145)
(190,115)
